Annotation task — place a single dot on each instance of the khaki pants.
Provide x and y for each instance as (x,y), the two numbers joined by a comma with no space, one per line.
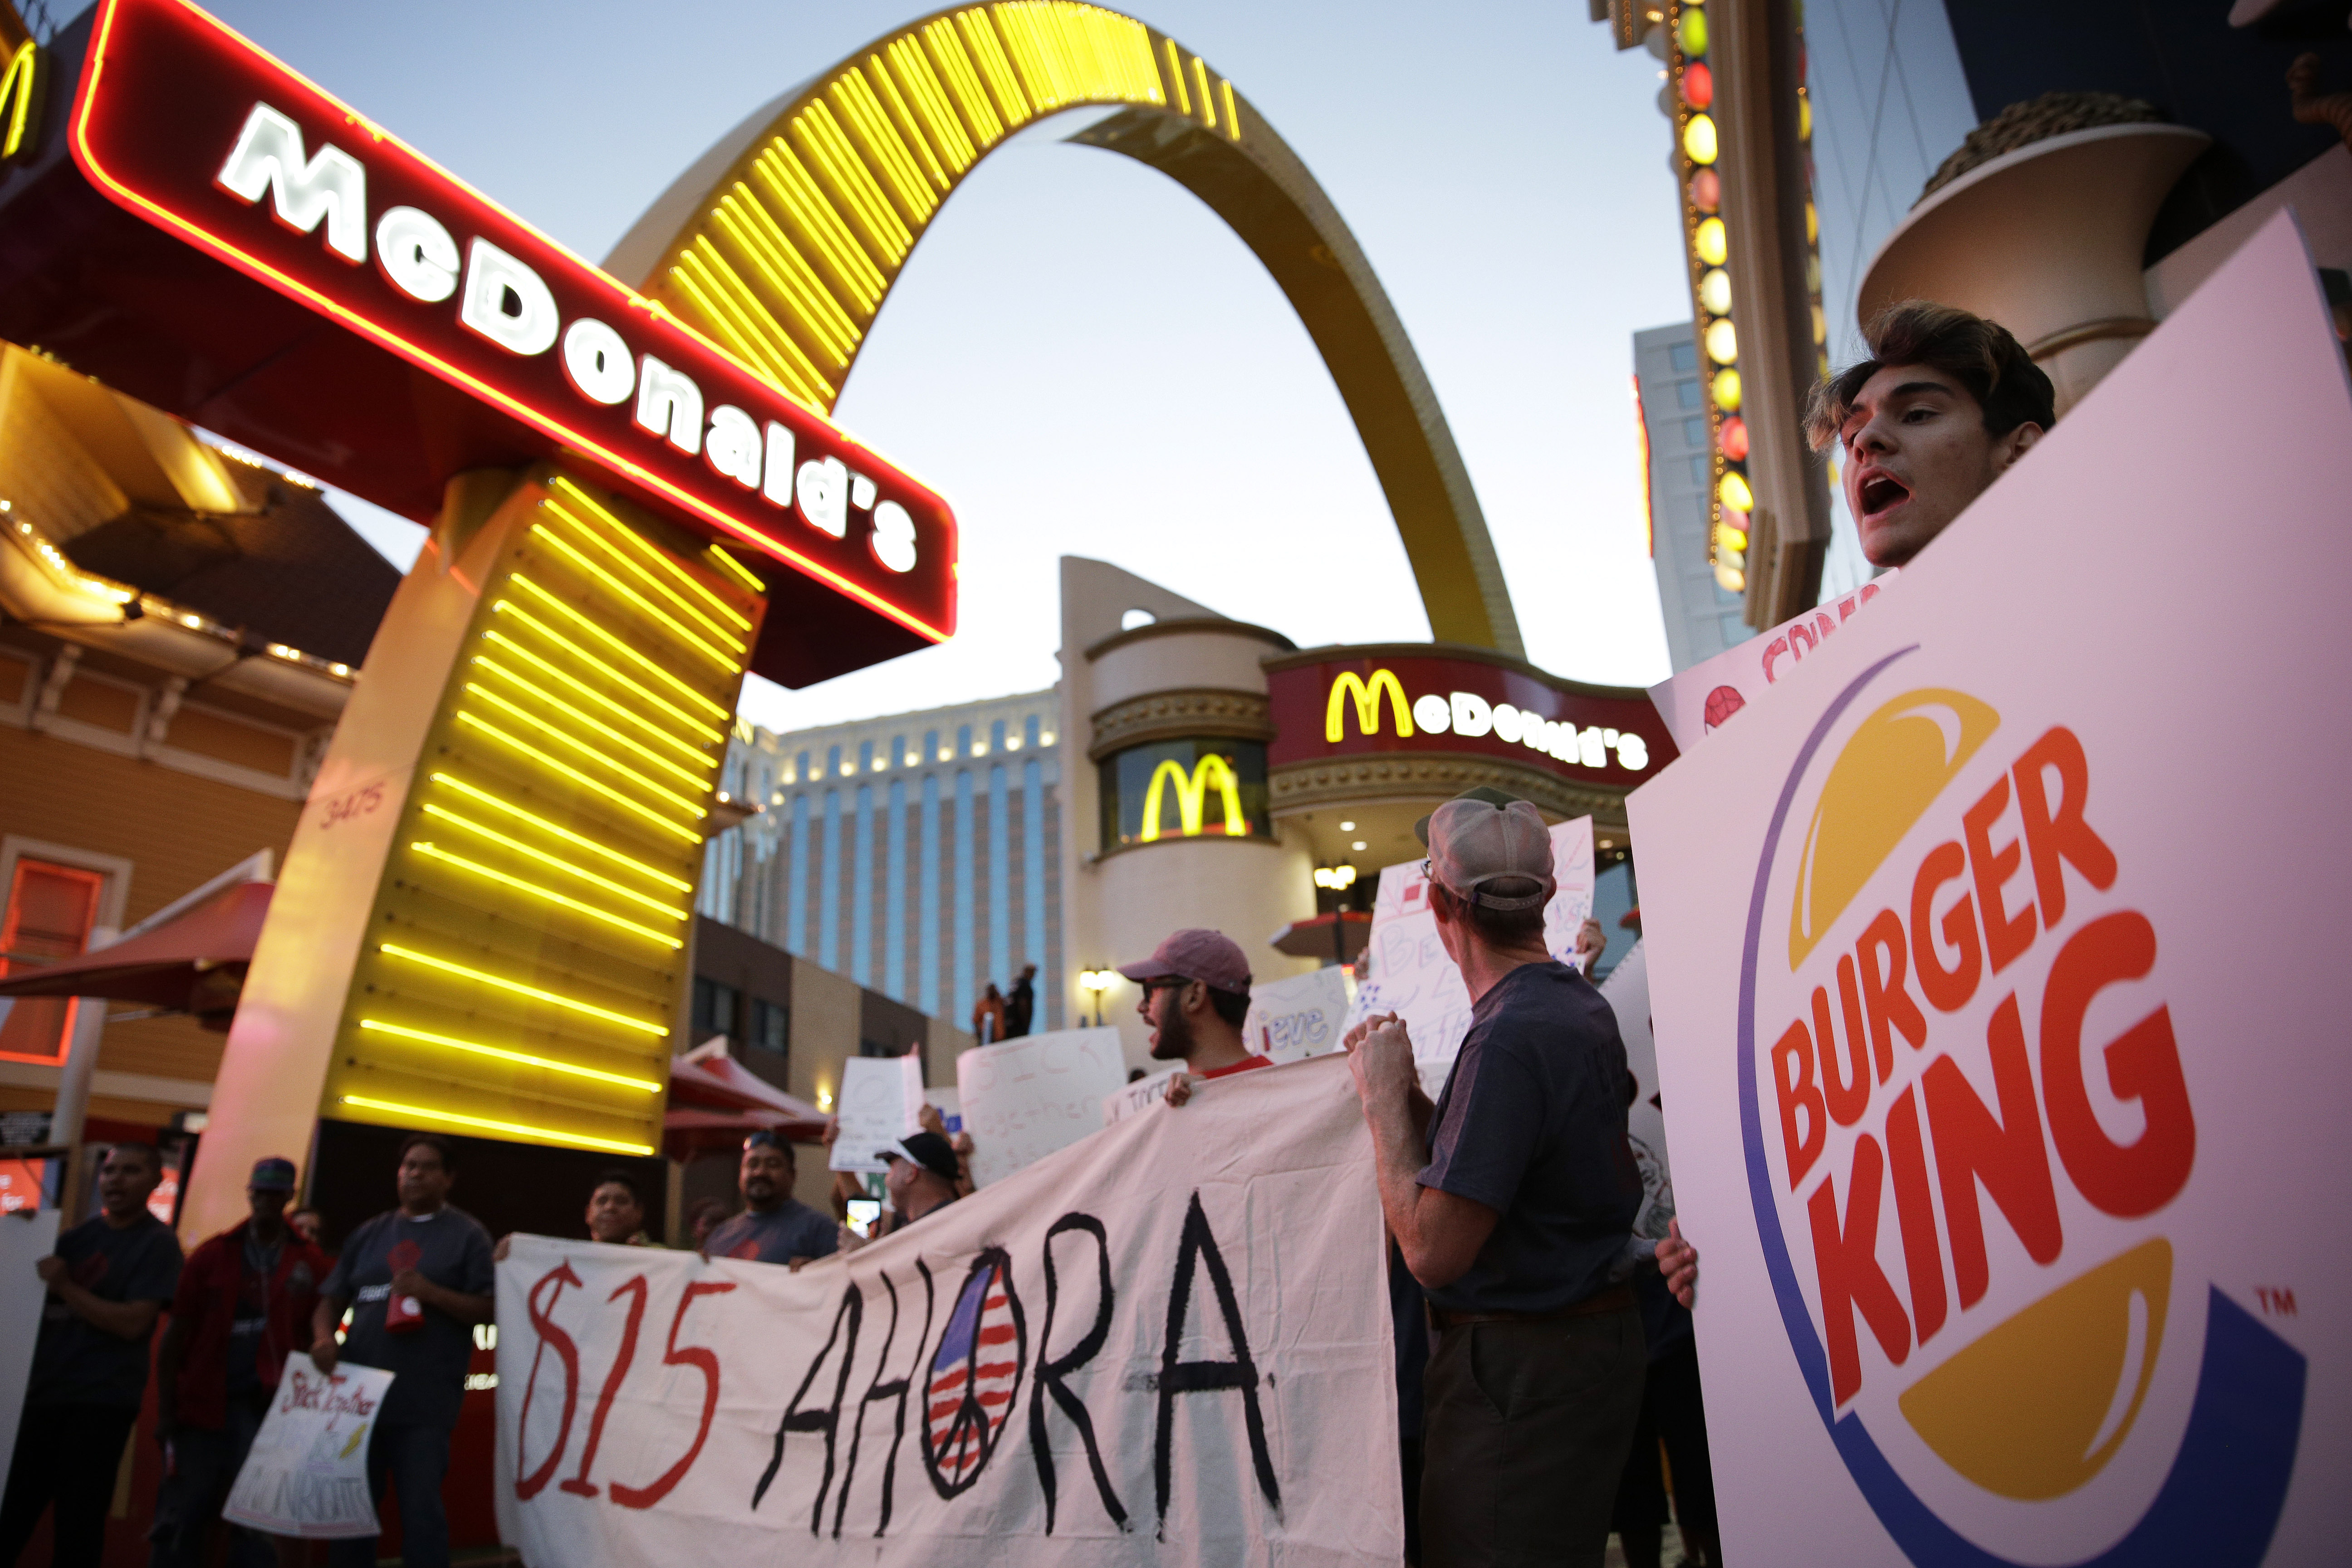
(1527,1426)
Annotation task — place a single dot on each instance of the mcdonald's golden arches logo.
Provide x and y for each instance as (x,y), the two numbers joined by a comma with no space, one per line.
(1193,797)
(20,99)
(1367,695)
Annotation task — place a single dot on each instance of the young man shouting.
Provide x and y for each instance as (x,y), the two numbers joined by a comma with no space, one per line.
(1944,404)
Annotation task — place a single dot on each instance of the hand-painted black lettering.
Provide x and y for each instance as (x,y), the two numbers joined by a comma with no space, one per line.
(973,1379)
(1052,1370)
(879,1391)
(825,1418)
(1200,1244)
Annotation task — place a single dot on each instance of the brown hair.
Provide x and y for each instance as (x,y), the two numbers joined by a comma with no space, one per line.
(1980,355)
(1496,928)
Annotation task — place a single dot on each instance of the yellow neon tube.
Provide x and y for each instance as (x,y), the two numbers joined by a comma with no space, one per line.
(555,602)
(855,97)
(698,781)
(1232,116)
(735,569)
(577,685)
(955,68)
(780,169)
(556,732)
(1176,75)
(556,862)
(694,275)
(775,256)
(821,136)
(576,776)
(571,552)
(507,607)
(981,38)
(751,321)
(922,84)
(434,852)
(911,122)
(525,1058)
(421,1113)
(607,850)
(634,544)
(517,987)
(1208,104)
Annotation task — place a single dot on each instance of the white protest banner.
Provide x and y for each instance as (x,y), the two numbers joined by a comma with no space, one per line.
(2026,1224)
(881,1101)
(1409,973)
(27,1236)
(1026,1098)
(1135,1099)
(1301,1016)
(1627,988)
(1710,692)
(306,1474)
(1169,1344)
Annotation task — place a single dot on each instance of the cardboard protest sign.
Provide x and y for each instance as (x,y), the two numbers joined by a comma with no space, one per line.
(26,1238)
(2027,1224)
(1168,1345)
(1710,692)
(1135,1099)
(1301,1016)
(1628,991)
(881,1100)
(1409,975)
(306,1474)
(1026,1098)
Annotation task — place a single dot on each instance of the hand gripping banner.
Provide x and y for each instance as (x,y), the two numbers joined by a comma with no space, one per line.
(1168,1343)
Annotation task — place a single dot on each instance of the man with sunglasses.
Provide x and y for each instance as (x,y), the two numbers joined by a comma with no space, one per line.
(1196,993)
(774,1226)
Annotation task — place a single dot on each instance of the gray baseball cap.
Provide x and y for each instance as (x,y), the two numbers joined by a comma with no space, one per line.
(1494,853)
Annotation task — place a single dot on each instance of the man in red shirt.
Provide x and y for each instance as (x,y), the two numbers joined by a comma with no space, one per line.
(1196,993)
(243,1305)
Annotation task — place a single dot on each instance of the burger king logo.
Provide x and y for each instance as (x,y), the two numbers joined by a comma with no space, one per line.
(1969,1139)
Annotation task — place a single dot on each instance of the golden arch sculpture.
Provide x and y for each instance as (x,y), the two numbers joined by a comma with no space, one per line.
(784,239)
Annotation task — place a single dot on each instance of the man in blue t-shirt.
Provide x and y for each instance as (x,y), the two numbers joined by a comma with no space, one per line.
(108,1281)
(1511,1199)
(774,1226)
(416,1280)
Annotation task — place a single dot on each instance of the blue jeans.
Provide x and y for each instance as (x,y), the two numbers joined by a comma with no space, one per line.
(205,1466)
(413,1458)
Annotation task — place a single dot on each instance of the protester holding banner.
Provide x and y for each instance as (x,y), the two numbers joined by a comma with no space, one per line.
(1196,993)
(107,1282)
(1944,404)
(416,1280)
(244,1306)
(1511,1199)
(923,1177)
(774,1226)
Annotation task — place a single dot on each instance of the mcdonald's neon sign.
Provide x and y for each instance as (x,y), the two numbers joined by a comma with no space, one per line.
(20,99)
(1193,797)
(1367,696)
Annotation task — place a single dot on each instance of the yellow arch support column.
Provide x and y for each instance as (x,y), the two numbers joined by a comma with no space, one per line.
(782,240)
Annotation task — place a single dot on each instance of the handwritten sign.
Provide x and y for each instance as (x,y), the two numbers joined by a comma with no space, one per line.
(1026,1098)
(881,1101)
(1304,1016)
(1135,1099)
(1627,990)
(1709,692)
(306,1474)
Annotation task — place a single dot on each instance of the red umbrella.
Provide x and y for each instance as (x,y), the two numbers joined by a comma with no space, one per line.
(1339,936)
(193,962)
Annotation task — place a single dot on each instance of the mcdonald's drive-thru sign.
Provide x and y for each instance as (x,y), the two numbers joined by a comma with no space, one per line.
(1339,702)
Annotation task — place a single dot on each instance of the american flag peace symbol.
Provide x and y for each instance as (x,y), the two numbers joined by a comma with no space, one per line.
(974,1375)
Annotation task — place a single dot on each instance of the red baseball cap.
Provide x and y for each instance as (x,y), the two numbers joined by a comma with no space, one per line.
(1209,957)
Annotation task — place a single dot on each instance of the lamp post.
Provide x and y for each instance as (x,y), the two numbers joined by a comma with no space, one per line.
(1095,982)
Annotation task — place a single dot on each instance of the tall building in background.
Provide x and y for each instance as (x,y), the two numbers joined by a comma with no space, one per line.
(917,854)
(1703,616)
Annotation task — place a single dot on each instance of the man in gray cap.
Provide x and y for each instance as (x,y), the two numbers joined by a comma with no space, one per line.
(1511,1199)
(1196,993)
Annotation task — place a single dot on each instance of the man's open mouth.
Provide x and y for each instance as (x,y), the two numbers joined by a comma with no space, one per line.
(1882,490)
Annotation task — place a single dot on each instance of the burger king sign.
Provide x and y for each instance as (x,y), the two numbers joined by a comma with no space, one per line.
(2004,1069)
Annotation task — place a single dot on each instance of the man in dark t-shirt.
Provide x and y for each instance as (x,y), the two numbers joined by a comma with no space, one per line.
(107,1281)
(416,1280)
(774,1226)
(1510,1200)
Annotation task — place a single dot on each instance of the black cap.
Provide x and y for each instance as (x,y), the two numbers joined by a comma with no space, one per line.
(1497,798)
(928,1150)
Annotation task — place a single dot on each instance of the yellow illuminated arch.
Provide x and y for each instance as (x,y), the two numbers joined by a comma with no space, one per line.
(1193,797)
(782,240)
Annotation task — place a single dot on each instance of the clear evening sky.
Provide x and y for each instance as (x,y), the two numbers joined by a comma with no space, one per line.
(1083,359)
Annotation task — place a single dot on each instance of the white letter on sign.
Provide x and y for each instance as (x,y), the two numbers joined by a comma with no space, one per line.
(417,254)
(492,277)
(1471,715)
(824,495)
(733,448)
(669,403)
(597,362)
(777,486)
(332,186)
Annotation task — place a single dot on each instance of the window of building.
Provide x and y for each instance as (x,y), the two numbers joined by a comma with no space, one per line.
(1184,789)
(716,1009)
(51,908)
(865,756)
(931,752)
(772,1026)
(1694,432)
(964,740)
(1029,731)
(833,761)
(1684,357)
(1701,466)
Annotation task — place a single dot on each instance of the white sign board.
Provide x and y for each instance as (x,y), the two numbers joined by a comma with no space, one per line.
(1409,973)
(306,1474)
(1134,1098)
(1710,692)
(1298,1018)
(1168,1345)
(881,1101)
(1628,991)
(2027,1224)
(27,1236)
(1026,1098)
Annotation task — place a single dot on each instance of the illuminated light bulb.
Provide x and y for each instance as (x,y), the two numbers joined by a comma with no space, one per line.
(1691,33)
(1707,189)
(1812,225)
(1709,240)
(1733,439)
(1821,327)
(1347,828)
(1698,85)
(1804,118)
(1812,274)
(1727,390)
(1732,539)
(1359,846)
(1722,341)
(1733,492)
(1732,579)
(1715,291)
(1698,140)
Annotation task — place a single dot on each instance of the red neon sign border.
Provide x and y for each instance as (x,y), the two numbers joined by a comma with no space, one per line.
(203,239)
